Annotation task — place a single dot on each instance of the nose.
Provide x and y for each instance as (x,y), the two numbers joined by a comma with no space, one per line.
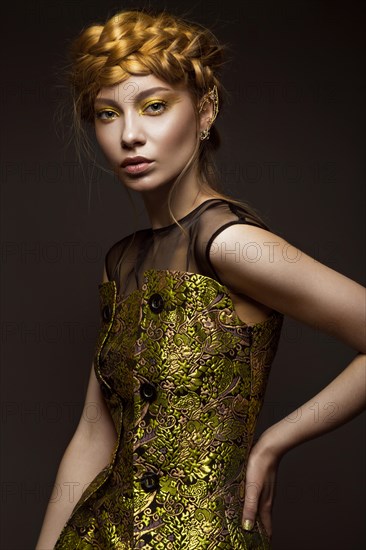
(132,131)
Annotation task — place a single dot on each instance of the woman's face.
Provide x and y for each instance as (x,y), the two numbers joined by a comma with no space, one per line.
(145,116)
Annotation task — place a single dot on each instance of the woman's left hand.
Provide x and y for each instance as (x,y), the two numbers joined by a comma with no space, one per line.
(260,486)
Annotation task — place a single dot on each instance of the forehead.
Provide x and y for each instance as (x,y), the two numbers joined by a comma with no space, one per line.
(130,89)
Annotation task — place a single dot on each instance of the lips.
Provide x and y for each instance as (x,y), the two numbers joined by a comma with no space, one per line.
(134,160)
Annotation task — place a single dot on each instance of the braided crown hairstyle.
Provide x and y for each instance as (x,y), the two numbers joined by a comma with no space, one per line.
(141,42)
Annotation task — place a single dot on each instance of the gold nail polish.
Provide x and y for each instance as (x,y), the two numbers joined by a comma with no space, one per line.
(248,525)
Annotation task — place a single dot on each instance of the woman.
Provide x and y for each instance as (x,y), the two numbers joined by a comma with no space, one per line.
(191,315)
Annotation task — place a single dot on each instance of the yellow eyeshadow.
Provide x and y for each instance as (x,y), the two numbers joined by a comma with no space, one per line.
(152,102)
(142,107)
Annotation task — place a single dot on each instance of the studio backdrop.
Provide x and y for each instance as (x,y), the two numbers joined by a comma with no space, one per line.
(293,147)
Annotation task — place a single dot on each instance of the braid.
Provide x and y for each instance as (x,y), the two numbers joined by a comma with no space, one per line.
(135,42)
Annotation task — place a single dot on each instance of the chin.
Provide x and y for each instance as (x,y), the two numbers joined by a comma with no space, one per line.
(146,183)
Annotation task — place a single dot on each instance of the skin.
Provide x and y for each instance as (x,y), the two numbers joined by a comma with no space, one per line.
(305,289)
(126,126)
(160,126)
(317,296)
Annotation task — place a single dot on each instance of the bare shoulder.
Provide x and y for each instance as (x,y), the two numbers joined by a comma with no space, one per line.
(253,241)
(275,272)
(247,249)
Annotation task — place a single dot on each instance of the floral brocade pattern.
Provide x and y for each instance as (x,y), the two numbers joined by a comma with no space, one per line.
(184,380)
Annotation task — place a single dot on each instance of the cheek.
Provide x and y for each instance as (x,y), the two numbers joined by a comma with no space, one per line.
(178,133)
(106,138)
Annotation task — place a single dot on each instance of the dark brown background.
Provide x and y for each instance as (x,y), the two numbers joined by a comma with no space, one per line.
(293,147)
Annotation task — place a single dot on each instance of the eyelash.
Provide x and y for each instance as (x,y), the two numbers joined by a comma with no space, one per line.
(156,102)
(99,114)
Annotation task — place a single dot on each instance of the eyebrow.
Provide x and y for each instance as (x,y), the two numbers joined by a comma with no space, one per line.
(139,96)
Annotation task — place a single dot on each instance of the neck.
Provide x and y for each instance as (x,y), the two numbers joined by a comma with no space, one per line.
(184,199)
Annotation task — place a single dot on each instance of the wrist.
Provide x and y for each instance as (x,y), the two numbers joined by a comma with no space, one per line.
(270,444)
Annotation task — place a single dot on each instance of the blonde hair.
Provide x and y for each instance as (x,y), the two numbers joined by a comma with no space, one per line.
(142,42)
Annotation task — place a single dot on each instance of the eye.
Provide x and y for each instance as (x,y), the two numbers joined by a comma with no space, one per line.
(106,115)
(157,107)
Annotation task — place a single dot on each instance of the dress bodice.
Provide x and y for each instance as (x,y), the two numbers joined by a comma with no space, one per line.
(184,380)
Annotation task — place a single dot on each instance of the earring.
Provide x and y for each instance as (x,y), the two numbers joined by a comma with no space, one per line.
(213,96)
(205,134)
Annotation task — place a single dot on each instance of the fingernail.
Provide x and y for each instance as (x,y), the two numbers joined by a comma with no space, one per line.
(248,525)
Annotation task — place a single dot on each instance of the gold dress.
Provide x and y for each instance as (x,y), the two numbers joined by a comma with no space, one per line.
(184,380)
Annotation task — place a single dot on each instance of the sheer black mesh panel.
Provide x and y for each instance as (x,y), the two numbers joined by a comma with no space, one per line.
(167,248)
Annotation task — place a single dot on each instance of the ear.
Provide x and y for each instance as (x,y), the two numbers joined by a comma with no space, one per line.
(206,114)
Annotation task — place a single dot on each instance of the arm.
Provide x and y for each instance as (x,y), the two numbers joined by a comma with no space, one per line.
(269,269)
(86,455)
(335,405)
